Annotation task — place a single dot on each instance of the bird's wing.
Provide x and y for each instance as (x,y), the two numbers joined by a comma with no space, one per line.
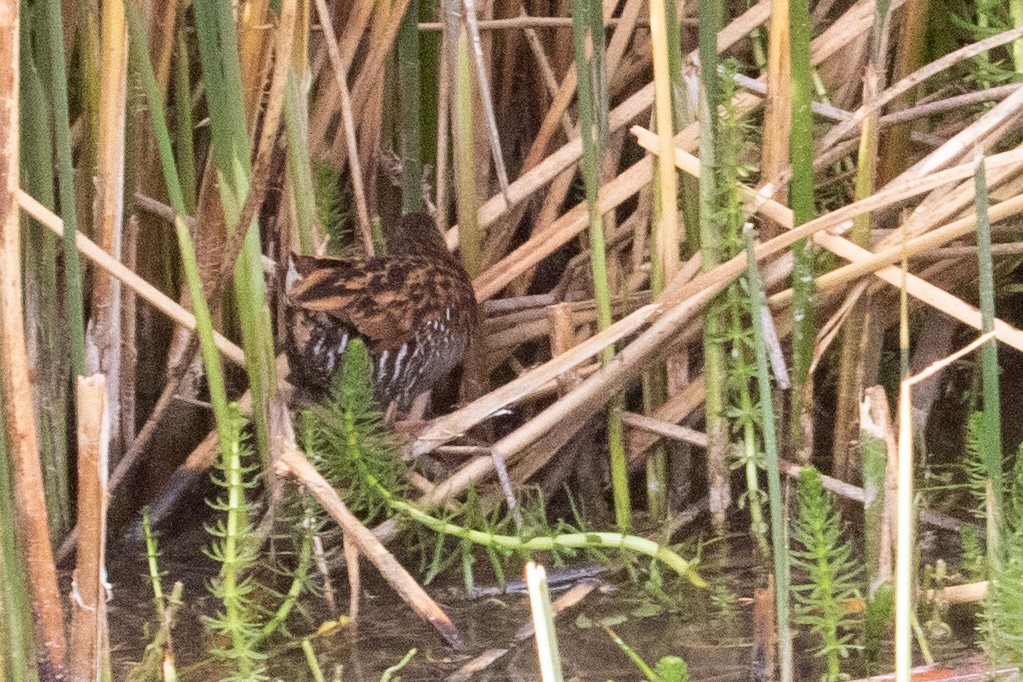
(380,299)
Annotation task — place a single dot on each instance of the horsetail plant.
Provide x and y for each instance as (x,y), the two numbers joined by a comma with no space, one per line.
(237,551)
(741,411)
(714,360)
(832,575)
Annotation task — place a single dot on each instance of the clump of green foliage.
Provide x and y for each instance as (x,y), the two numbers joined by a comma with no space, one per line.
(831,577)
(1002,621)
(349,443)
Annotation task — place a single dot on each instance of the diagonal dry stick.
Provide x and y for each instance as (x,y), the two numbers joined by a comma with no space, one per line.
(294,462)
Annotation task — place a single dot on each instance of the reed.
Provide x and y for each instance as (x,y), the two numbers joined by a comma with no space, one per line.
(995,493)
(588,41)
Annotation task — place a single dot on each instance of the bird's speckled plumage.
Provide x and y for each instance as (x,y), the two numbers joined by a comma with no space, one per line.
(414,309)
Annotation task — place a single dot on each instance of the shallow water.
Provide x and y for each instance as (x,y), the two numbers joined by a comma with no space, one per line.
(714,647)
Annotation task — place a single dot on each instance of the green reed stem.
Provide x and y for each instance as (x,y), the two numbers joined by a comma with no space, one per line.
(588,41)
(801,192)
(464,152)
(184,143)
(139,44)
(53,36)
(300,170)
(40,259)
(218,54)
(409,96)
(779,532)
(989,371)
(714,361)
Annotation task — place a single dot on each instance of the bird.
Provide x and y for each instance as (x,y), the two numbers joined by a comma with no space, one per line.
(414,308)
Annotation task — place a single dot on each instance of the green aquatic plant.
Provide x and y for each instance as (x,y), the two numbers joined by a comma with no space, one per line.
(832,578)
(355,455)
(235,549)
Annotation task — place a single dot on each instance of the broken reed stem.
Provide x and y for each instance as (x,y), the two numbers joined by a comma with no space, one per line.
(144,289)
(103,336)
(904,554)
(89,634)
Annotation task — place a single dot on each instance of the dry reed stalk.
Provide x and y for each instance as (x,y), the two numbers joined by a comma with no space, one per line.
(778,103)
(384,29)
(912,80)
(142,288)
(354,26)
(527,22)
(1004,113)
(293,462)
(453,425)
(916,286)
(566,90)
(682,434)
(89,634)
(914,247)
(15,384)
(944,203)
(627,182)
(546,72)
(635,105)
(103,334)
(924,291)
(348,123)
(678,407)
(559,188)
(254,53)
(839,218)
(941,106)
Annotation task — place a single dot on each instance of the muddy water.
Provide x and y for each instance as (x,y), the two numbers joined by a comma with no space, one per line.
(716,648)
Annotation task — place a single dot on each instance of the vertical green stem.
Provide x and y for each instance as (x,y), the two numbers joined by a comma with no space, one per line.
(714,361)
(218,53)
(779,533)
(464,150)
(300,170)
(989,370)
(588,41)
(54,37)
(183,118)
(409,133)
(45,322)
(200,307)
(802,202)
